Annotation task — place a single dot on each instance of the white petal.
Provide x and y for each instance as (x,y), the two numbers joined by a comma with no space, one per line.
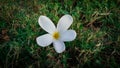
(64,23)
(46,24)
(68,35)
(44,40)
(59,46)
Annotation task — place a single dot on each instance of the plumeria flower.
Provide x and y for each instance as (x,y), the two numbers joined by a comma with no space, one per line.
(58,35)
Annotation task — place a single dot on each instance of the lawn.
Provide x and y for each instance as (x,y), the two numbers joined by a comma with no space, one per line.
(96,22)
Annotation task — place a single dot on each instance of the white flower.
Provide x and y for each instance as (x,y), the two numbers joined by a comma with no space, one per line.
(58,35)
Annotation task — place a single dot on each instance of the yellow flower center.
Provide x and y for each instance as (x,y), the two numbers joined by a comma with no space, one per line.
(56,35)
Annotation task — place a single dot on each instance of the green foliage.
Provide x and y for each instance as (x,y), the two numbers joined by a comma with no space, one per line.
(96,22)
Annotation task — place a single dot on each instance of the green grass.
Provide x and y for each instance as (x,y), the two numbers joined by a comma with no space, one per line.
(96,22)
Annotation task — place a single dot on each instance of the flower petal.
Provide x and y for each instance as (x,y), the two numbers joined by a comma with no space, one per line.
(59,46)
(64,23)
(46,24)
(44,40)
(68,35)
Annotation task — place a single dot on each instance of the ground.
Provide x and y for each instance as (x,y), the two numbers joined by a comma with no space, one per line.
(97,23)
